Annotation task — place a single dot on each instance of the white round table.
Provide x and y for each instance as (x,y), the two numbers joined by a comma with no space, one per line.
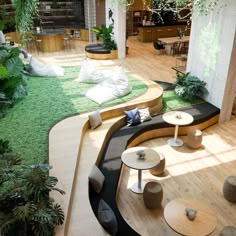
(130,159)
(177,118)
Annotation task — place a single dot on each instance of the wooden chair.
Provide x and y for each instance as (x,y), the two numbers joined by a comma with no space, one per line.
(158,46)
(175,48)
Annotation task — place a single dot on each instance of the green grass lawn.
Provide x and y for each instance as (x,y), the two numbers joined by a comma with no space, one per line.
(49,100)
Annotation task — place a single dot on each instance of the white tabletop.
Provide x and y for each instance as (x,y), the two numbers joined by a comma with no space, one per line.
(172,40)
(130,158)
(178,118)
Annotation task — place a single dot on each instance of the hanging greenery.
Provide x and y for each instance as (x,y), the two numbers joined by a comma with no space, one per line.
(178,7)
(25,11)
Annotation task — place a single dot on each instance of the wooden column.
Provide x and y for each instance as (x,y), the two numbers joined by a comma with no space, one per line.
(230,88)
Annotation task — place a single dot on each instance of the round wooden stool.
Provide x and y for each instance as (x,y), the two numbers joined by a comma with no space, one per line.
(152,195)
(194,138)
(229,188)
(228,231)
(159,168)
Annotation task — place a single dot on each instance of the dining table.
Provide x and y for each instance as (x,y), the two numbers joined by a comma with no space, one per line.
(168,42)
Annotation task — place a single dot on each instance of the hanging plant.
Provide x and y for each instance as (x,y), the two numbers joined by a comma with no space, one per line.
(25,11)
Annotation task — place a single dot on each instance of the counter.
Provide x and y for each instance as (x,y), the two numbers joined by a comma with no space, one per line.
(151,33)
(52,39)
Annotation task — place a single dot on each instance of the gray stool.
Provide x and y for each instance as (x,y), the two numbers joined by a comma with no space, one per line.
(229,188)
(159,168)
(228,231)
(194,138)
(152,195)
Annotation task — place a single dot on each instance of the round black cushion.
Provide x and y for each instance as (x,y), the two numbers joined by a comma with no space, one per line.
(96,49)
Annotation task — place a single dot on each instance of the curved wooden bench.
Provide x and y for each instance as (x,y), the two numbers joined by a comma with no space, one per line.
(204,115)
(69,151)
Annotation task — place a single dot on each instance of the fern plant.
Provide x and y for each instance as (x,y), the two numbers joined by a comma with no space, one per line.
(13,81)
(189,87)
(25,206)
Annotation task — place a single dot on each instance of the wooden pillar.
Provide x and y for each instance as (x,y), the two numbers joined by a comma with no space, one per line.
(230,88)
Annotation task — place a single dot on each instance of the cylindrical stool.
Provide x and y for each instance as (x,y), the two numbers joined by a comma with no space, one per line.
(159,168)
(66,44)
(229,188)
(152,195)
(194,138)
(228,231)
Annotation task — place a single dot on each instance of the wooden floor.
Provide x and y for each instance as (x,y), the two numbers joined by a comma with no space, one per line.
(197,174)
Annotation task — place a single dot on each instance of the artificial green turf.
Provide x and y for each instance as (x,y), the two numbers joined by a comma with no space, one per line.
(49,100)
(172,102)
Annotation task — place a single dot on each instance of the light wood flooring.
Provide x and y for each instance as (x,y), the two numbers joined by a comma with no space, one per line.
(197,174)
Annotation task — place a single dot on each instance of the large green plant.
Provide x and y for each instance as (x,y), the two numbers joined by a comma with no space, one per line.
(107,36)
(189,87)
(13,81)
(25,11)
(25,206)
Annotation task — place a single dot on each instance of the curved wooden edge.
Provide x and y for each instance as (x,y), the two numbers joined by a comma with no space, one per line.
(163,132)
(106,56)
(66,142)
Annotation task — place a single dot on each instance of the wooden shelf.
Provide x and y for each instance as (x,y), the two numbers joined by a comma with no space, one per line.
(70,14)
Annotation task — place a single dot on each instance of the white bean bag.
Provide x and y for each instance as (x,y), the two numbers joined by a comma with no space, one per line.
(89,74)
(112,88)
(38,68)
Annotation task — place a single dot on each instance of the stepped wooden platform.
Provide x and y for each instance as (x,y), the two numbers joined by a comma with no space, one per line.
(74,148)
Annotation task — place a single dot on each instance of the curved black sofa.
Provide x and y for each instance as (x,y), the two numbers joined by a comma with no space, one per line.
(97,49)
(111,163)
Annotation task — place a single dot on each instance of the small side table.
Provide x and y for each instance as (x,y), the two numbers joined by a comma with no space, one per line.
(130,159)
(203,224)
(177,118)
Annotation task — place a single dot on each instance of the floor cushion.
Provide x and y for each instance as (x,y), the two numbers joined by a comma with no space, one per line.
(37,68)
(89,74)
(107,218)
(110,89)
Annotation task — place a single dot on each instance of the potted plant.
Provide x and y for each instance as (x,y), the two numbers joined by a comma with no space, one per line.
(106,34)
(189,86)
(25,205)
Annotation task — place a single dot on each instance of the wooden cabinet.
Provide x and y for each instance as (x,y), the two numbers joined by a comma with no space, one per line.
(152,33)
(61,14)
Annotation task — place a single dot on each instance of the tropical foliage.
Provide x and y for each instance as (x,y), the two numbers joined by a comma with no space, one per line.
(25,206)
(106,34)
(25,11)
(13,81)
(189,87)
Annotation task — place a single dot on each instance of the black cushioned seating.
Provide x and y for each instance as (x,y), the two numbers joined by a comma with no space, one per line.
(97,49)
(111,163)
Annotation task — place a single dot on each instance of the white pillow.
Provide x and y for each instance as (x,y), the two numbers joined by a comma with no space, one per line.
(89,74)
(144,114)
(38,68)
(100,94)
(95,119)
(96,178)
(110,89)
